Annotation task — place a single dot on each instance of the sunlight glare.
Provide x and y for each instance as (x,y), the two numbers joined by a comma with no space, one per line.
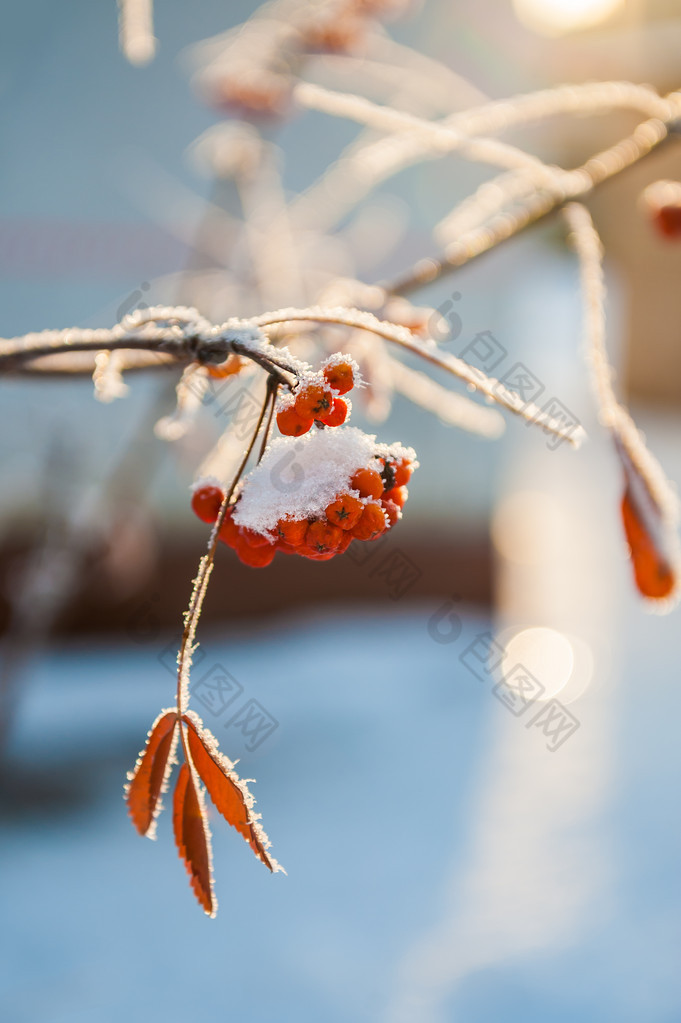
(545,653)
(556,17)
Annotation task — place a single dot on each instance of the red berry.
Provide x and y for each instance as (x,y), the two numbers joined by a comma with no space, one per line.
(372,522)
(402,473)
(229,531)
(668,220)
(322,537)
(314,401)
(392,511)
(232,365)
(259,94)
(368,482)
(399,495)
(345,542)
(292,531)
(338,413)
(206,502)
(344,511)
(255,557)
(313,556)
(336,32)
(291,424)
(252,538)
(340,376)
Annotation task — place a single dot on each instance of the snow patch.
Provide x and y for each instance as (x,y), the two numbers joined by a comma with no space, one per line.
(298,477)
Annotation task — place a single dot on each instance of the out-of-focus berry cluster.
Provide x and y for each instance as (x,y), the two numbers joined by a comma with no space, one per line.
(254,73)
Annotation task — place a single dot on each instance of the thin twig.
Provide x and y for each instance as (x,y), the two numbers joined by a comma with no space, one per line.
(200,585)
(272,388)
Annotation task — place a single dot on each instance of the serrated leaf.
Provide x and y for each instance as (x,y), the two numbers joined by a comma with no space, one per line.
(150,777)
(229,794)
(193,838)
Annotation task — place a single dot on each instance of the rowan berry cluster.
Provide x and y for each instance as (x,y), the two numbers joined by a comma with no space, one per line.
(342,485)
(254,74)
(365,508)
(318,398)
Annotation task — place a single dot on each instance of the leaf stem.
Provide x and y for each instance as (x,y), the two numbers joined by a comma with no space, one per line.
(272,389)
(193,613)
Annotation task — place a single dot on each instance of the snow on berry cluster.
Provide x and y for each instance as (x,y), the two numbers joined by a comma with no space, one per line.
(318,397)
(313,496)
(314,491)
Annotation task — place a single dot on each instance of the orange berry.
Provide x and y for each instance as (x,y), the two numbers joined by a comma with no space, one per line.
(344,511)
(345,542)
(668,221)
(399,495)
(292,531)
(229,531)
(372,522)
(314,401)
(322,537)
(319,557)
(392,510)
(368,482)
(232,365)
(340,376)
(402,473)
(206,501)
(662,201)
(291,424)
(261,94)
(338,413)
(255,557)
(336,33)
(252,538)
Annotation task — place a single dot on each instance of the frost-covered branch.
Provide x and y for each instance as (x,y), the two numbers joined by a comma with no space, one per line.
(177,333)
(649,495)
(436,134)
(540,203)
(474,378)
(613,414)
(186,336)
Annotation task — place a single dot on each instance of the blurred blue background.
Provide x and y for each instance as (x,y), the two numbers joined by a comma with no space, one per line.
(442,864)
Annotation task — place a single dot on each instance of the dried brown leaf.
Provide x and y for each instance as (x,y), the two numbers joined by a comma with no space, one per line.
(228,792)
(649,519)
(193,838)
(150,777)
(653,573)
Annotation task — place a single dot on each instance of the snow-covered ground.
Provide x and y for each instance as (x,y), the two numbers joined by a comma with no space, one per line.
(442,863)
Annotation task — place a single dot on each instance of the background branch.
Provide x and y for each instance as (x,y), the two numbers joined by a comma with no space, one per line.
(648,137)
